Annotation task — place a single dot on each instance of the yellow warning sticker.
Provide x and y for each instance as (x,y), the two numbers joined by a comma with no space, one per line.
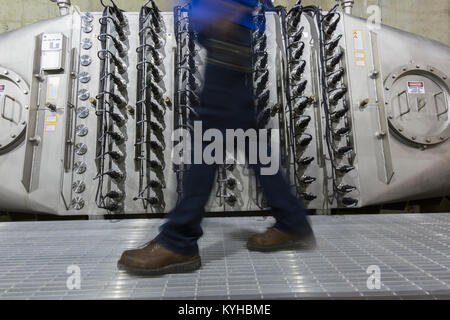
(359,53)
(50,128)
(50,123)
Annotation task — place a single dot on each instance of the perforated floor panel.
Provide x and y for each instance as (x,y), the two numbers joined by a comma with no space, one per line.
(411,251)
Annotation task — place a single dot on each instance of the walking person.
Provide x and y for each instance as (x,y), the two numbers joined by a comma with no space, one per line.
(227,102)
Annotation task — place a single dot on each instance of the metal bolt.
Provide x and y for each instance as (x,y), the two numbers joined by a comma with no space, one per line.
(25,91)
(400,129)
(93,101)
(13,135)
(444,77)
(6,72)
(442,138)
(428,140)
(414,138)
(391,117)
(18,80)
(130,109)
(418,66)
(24,123)
(364,103)
(394,76)
(380,134)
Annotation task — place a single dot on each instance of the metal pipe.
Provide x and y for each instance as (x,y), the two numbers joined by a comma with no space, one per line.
(347,6)
(64,6)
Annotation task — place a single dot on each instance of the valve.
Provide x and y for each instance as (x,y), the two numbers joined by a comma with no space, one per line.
(333,61)
(298,52)
(344,150)
(344,188)
(157,92)
(345,169)
(331,26)
(302,122)
(307,179)
(231,200)
(115,195)
(298,35)
(298,70)
(342,132)
(308,196)
(336,115)
(306,161)
(331,45)
(115,155)
(156,146)
(301,104)
(117,118)
(261,62)
(337,94)
(305,140)
(334,77)
(156,165)
(263,99)
(231,183)
(349,202)
(299,89)
(114,174)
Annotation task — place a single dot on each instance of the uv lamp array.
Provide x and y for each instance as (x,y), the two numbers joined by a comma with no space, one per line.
(89,103)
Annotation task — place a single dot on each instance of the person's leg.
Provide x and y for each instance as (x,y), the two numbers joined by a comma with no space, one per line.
(288,211)
(292,229)
(175,248)
(183,227)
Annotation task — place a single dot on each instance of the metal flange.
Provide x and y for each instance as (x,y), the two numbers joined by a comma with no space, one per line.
(420,115)
(14,108)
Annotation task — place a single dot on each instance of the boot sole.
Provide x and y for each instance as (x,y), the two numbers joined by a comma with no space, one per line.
(292,245)
(183,267)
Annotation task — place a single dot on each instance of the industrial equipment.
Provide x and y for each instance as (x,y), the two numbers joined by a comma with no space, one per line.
(89,103)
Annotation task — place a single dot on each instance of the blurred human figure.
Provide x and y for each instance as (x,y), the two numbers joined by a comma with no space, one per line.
(225,29)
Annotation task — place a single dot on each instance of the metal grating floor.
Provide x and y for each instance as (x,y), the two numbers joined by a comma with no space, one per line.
(411,250)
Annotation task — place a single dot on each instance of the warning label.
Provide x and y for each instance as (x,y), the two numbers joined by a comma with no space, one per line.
(2,89)
(359,52)
(50,123)
(416,87)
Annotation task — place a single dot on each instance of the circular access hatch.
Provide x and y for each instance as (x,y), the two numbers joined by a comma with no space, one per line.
(418,104)
(13,107)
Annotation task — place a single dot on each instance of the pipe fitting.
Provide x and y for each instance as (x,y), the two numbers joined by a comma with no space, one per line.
(347,6)
(64,6)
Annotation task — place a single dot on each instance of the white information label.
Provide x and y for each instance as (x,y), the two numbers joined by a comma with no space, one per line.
(358,42)
(416,87)
(52,42)
(52,89)
(51,119)
(50,128)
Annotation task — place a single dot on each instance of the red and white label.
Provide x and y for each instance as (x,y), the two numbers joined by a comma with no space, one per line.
(416,87)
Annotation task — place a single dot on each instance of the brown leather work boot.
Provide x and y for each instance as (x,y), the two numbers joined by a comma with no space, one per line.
(274,240)
(154,259)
